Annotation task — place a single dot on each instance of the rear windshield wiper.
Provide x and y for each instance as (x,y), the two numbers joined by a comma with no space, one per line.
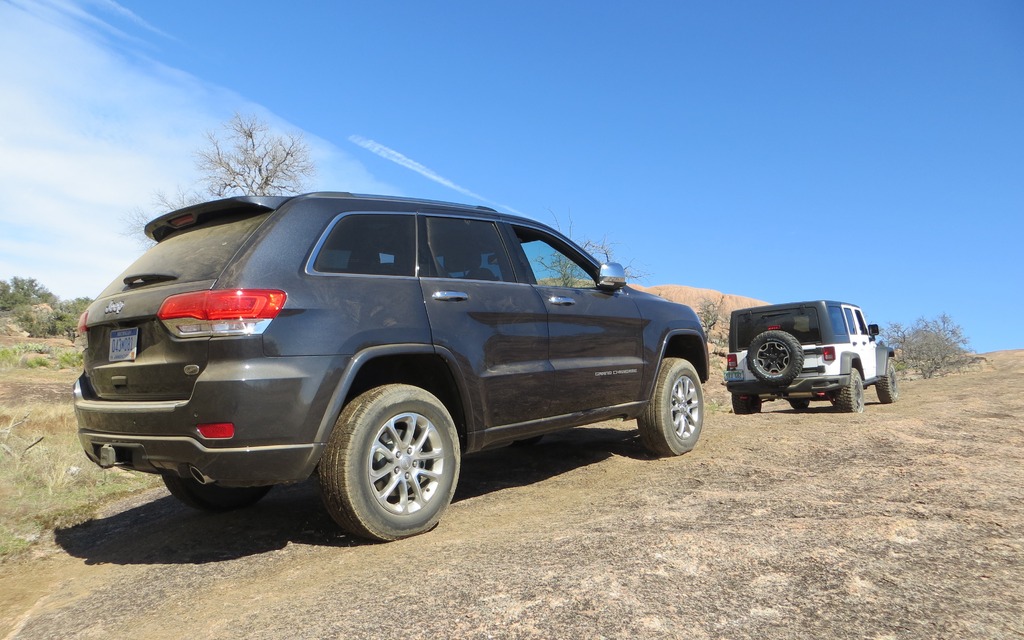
(140,279)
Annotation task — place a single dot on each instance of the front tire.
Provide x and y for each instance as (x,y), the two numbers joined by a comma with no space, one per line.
(887,388)
(671,423)
(212,497)
(851,397)
(391,464)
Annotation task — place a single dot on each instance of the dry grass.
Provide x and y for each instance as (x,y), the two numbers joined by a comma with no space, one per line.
(45,479)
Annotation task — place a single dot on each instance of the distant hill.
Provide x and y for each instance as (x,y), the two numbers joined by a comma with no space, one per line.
(693,295)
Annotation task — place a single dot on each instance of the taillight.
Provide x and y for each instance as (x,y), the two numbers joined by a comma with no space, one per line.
(829,354)
(730,361)
(221,312)
(83,323)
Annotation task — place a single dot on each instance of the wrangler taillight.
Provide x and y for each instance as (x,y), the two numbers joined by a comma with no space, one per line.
(83,323)
(221,312)
(730,362)
(828,354)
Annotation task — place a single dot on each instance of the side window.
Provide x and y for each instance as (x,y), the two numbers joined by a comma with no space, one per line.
(835,314)
(464,249)
(851,321)
(371,244)
(861,325)
(551,265)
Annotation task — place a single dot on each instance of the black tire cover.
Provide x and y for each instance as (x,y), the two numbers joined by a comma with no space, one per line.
(775,358)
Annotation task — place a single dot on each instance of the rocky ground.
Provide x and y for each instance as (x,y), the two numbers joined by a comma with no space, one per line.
(901,522)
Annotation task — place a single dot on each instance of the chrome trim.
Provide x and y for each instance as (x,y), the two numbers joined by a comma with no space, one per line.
(125,439)
(107,406)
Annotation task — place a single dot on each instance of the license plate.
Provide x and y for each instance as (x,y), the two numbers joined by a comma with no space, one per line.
(123,344)
(733,375)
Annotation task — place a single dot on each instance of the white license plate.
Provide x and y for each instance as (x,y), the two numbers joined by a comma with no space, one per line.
(124,344)
(733,375)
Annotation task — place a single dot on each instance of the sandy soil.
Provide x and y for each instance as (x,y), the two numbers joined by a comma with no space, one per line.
(902,522)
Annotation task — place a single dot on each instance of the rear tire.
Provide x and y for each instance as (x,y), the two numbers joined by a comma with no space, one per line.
(851,397)
(887,388)
(671,423)
(745,405)
(391,464)
(212,497)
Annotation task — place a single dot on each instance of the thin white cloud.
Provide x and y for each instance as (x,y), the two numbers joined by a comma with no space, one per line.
(402,160)
(90,127)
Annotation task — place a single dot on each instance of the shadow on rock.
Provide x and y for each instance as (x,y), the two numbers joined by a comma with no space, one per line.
(163,531)
(166,532)
(555,454)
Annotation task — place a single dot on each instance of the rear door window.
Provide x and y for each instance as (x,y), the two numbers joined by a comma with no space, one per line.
(464,249)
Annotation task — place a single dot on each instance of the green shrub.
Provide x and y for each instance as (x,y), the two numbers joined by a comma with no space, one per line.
(37,362)
(70,359)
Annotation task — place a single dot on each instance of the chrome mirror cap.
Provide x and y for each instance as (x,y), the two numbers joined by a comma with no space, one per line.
(613,276)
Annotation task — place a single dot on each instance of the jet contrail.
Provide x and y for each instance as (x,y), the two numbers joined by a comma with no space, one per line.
(400,159)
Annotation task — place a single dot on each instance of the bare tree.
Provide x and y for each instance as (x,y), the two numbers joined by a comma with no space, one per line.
(602,249)
(249,160)
(709,311)
(253,161)
(932,347)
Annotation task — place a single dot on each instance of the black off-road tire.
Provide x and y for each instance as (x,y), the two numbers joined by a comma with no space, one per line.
(745,405)
(851,397)
(391,464)
(671,423)
(775,358)
(212,497)
(800,404)
(887,388)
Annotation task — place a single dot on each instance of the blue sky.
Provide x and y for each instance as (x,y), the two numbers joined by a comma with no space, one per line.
(866,151)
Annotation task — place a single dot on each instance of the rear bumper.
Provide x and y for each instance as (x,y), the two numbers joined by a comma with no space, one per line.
(801,387)
(277,405)
(186,457)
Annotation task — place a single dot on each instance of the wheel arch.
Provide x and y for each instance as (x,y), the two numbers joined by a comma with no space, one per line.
(851,361)
(416,365)
(689,346)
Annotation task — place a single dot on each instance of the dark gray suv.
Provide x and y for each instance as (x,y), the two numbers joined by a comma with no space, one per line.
(373,341)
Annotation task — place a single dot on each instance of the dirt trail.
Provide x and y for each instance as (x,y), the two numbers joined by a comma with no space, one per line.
(902,522)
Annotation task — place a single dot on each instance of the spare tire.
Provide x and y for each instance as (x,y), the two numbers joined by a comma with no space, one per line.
(775,358)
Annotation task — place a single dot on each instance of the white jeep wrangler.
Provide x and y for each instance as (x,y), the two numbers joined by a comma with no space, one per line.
(804,351)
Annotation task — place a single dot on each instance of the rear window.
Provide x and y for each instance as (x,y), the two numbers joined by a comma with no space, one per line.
(801,322)
(193,254)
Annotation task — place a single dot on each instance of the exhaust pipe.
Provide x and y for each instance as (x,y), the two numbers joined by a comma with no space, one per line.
(199,476)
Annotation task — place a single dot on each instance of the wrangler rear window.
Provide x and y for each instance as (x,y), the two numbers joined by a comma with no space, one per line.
(801,322)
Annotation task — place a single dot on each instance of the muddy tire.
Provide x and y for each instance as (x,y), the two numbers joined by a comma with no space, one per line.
(670,426)
(800,404)
(745,405)
(212,497)
(391,464)
(775,358)
(887,388)
(851,397)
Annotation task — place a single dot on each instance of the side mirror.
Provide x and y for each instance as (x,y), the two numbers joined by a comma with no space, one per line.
(612,277)
(873,330)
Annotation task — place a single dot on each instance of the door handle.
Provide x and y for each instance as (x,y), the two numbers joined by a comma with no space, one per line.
(450,296)
(562,301)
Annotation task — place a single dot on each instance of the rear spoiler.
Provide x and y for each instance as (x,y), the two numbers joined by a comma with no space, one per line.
(159,228)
